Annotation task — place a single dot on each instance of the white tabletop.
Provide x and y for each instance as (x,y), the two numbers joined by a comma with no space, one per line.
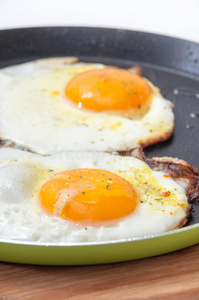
(177,18)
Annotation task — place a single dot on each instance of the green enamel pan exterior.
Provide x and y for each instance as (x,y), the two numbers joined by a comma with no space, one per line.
(99,253)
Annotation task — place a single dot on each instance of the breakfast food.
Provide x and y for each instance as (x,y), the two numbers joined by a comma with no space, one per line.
(67,187)
(91,196)
(55,105)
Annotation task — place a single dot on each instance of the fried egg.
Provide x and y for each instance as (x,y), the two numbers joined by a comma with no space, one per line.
(77,197)
(50,106)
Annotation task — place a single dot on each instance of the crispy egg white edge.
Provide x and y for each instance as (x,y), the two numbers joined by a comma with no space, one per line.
(53,229)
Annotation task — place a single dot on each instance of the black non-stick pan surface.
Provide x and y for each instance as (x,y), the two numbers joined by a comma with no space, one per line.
(171,64)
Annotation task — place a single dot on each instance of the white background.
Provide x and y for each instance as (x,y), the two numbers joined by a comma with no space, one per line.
(178,18)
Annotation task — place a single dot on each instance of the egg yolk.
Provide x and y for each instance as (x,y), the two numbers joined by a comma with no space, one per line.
(110,89)
(88,195)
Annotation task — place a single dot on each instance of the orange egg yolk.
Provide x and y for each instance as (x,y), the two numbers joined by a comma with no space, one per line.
(88,195)
(111,90)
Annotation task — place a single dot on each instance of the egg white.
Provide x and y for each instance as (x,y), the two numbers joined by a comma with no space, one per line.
(21,217)
(35,114)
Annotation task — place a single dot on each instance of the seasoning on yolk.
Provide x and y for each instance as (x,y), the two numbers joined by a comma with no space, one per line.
(88,195)
(110,89)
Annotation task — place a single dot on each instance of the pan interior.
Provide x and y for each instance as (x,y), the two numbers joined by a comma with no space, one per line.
(177,79)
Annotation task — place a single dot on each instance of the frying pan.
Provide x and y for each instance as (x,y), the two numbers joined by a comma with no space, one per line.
(172,65)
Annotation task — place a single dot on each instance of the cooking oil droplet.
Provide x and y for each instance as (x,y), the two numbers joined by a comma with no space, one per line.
(175,92)
(189,126)
(183,91)
(194,115)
